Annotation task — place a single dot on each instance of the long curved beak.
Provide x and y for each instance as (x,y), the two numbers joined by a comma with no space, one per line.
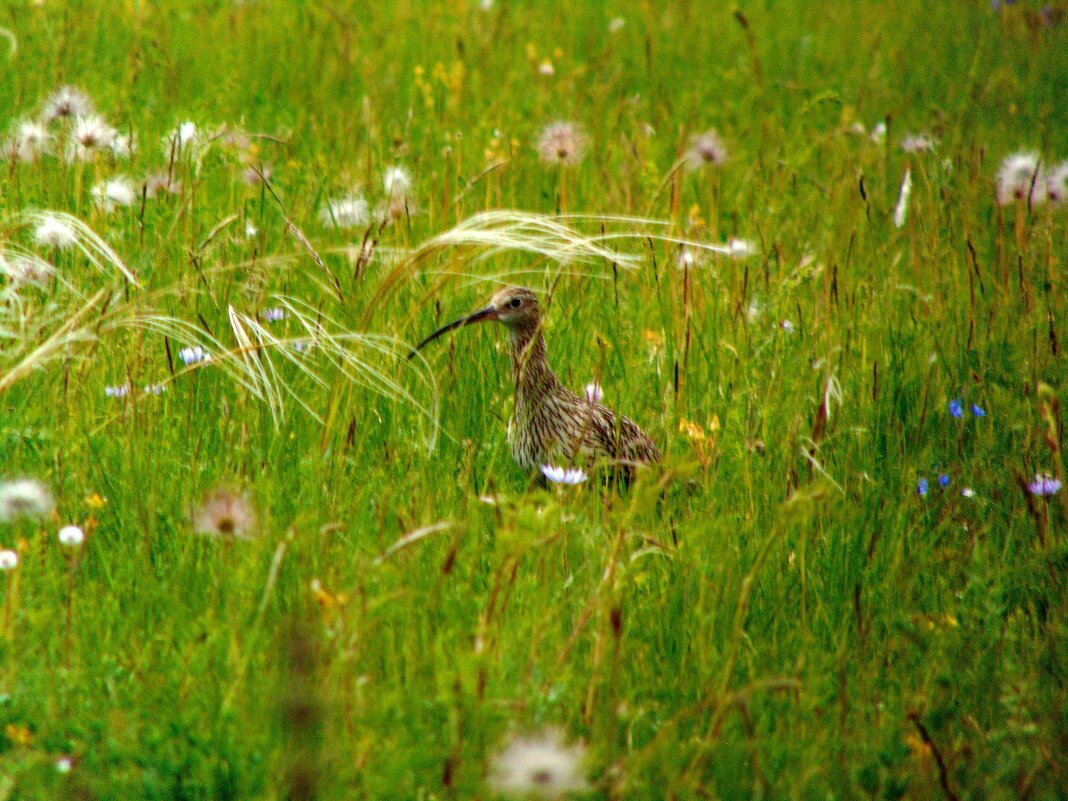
(488,313)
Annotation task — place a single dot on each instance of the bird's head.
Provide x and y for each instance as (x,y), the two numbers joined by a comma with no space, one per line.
(514,307)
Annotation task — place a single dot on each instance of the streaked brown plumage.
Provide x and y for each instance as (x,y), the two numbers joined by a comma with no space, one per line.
(552,425)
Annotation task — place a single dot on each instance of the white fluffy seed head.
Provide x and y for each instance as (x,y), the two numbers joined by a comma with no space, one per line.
(71,535)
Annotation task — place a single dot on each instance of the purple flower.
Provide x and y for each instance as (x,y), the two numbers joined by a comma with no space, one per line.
(1044,484)
(978,410)
(943,480)
(956,407)
(921,487)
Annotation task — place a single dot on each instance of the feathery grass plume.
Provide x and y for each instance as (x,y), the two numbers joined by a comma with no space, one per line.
(553,238)
(349,211)
(88,136)
(1020,178)
(260,356)
(24,497)
(562,143)
(59,229)
(67,101)
(541,766)
(706,149)
(225,513)
(115,192)
(30,141)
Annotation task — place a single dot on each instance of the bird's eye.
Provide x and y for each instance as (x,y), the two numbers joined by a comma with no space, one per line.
(515,303)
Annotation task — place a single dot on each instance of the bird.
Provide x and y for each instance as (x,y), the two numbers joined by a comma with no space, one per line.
(550,424)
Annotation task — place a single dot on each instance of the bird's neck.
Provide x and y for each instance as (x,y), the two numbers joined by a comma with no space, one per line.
(530,363)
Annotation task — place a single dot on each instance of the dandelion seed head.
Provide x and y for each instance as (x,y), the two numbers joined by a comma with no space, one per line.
(87,136)
(740,248)
(561,475)
(24,497)
(918,143)
(1057,183)
(562,143)
(706,149)
(53,232)
(30,140)
(225,513)
(396,181)
(541,766)
(1044,485)
(71,535)
(118,191)
(67,101)
(123,145)
(159,182)
(9,559)
(26,269)
(350,211)
(1015,177)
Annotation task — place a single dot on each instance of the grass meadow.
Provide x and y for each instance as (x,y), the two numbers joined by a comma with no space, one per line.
(842,320)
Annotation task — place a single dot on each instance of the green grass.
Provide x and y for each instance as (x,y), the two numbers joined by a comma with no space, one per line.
(771,613)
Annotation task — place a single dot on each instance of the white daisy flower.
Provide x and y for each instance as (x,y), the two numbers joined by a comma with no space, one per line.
(561,475)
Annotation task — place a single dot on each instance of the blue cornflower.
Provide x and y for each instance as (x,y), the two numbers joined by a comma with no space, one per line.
(956,407)
(943,480)
(978,410)
(921,487)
